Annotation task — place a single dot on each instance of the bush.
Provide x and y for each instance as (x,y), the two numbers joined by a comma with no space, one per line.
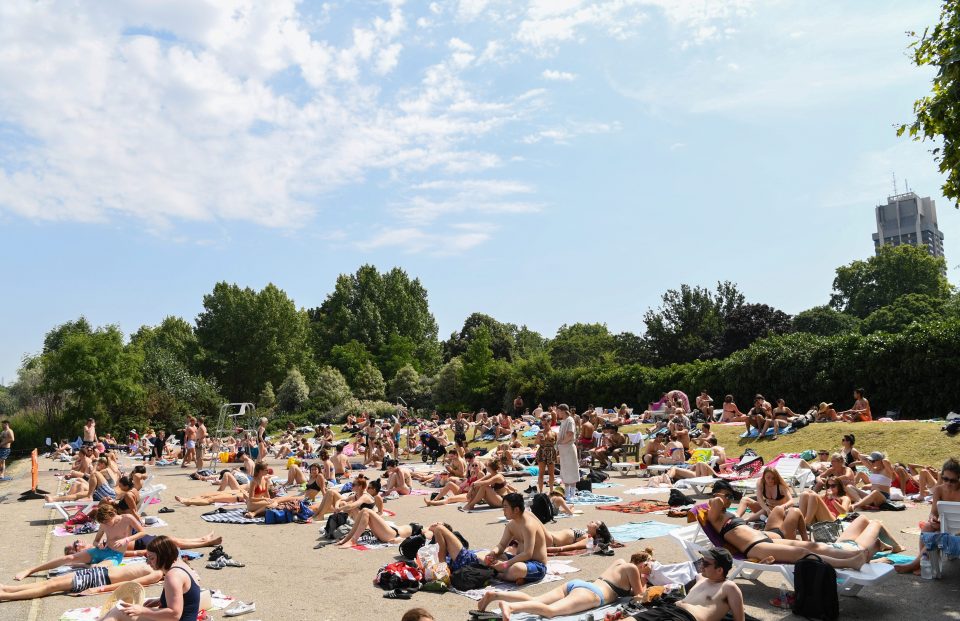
(379,409)
(32,428)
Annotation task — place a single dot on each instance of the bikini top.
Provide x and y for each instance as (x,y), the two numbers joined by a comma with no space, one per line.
(620,592)
(878,478)
(779,495)
(732,523)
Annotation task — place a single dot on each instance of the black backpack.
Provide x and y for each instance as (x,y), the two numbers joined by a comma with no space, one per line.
(543,508)
(411,545)
(471,577)
(815,583)
(334,522)
(597,476)
(679,499)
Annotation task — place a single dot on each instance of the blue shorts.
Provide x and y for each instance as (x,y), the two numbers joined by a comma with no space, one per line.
(98,555)
(536,571)
(464,557)
(4,454)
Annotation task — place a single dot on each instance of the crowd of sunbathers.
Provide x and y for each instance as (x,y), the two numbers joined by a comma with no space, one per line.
(771,524)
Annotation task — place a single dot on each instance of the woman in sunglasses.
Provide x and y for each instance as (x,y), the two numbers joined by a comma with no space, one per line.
(826,507)
(948,490)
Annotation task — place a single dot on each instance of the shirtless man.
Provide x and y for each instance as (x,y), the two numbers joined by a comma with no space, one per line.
(585,440)
(530,563)
(189,442)
(201,436)
(398,479)
(6,439)
(341,465)
(710,599)
(87,581)
(705,404)
(90,432)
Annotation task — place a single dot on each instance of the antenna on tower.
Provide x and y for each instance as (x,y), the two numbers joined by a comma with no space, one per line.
(906,186)
(894,183)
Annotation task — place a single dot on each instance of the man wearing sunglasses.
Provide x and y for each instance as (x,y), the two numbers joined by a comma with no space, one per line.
(949,491)
(710,599)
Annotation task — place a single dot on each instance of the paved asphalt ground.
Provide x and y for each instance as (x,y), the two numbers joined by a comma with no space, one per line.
(290,581)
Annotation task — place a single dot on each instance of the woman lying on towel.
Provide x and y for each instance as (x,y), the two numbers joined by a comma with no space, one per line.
(621,579)
(855,547)
(87,581)
(369,525)
(570,539)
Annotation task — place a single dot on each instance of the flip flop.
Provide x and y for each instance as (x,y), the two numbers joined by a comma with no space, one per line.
(165,510)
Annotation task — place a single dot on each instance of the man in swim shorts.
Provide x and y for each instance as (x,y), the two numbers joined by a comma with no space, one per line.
(87,580)
(711,598)
(530,562)
(6,441)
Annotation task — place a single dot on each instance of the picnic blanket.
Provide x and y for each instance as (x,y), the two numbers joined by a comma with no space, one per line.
(637,506)
(634,531)
(755,433)
(230,516)
(555,571)
(589,498)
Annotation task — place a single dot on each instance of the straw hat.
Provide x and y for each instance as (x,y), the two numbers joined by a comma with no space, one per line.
(823,406)
(128,592)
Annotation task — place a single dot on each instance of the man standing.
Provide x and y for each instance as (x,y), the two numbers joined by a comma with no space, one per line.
(530,562)
(201,436)
(567,451)
(90,432)
(189,443)
(6,441)
(517,407)
(711,598)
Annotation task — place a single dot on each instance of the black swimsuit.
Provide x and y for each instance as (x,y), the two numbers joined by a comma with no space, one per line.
(735,522)
(314,486)
(619,592)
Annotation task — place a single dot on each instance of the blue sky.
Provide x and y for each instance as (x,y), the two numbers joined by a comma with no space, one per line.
(546,162)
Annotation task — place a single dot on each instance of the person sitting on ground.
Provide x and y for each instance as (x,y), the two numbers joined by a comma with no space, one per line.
(109,543)
(825,507)
(713,597)
(915,479)
(489,488)
(84,581)
(571,539)
(757,416)
(621,579)
(772,491)
(826,413)
(653,450)
(703,440)
(860,412)
(530,563)
(947,490)
(673,453)
(822,463)
(317,483)
(359,498)
(731,413)
(370,524)
(855,547)
(398,479)
(705,404)
(452,549)
(459,491)
(836,471)
(180,598)
(341,464)
(876,483)
(504,425)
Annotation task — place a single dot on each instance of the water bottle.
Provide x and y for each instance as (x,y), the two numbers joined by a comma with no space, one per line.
(589,544)
(926,567)
(784,595)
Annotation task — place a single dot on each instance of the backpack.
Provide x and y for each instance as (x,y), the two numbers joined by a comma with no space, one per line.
(584,485)
(597,476)
(471,577)
(410,546)
(398,575)
(543,508)
(333,522)
(679,499)
(277,516)
(815,583)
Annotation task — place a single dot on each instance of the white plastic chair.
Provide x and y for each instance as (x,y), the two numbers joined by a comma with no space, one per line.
(65,507)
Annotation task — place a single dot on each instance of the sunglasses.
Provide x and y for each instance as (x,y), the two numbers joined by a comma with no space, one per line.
(700,563)
(949,479)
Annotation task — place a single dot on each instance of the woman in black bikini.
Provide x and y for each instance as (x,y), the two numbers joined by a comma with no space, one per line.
(359,499)
(622,579)
(180,598)
(490,488)
(370,527)
(570,539)
(772,491)
(317,484)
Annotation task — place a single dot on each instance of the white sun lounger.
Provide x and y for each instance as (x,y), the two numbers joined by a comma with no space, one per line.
(68,507)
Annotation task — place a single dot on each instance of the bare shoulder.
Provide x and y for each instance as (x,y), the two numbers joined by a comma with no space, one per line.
(730,589)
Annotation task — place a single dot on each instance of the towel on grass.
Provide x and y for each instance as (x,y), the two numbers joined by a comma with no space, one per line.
(604,485)
(637,506)
(230,516)
(635,531)
(555,571)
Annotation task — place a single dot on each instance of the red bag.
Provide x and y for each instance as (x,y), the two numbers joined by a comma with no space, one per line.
(398,575)
(78,518)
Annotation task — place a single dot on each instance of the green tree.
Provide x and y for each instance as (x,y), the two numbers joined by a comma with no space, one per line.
(529,378)
(824,321)
(582,344)
(397,352)
(448,390)
(690,321)
(293,392)
(905,310)
(267,399)
(368,383)
(631,349)
(175,335)
(368,307)
(55,338)
(350,358)
(864,286)
(746,323)
(477,365)
(938,114)
(250,338)
(98,372)
(405,384)
(8,403)
(528,342)
(329,389)
(502,337)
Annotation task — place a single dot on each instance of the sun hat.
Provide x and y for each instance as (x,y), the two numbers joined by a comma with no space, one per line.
(823,406)
(127,592)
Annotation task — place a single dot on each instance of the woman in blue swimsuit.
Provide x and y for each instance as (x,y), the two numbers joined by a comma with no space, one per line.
(181,589)
(622,579)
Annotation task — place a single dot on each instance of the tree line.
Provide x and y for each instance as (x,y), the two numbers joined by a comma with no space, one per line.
(374,342)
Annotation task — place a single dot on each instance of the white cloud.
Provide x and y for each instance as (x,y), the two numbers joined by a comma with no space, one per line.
(565,133)
(560,76)
(413,240)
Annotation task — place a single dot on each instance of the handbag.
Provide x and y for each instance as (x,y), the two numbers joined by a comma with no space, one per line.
(825,532)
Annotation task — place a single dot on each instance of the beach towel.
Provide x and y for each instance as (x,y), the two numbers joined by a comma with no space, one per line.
(218,600)
(634,531)
(230,516)
(649,492)
(755,433)
(555,571)
(588,498)
(598,613)
(637,506)
(613,544)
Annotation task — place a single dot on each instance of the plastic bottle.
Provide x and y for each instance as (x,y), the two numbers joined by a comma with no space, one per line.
(589,544)
(784,595)
(926,567)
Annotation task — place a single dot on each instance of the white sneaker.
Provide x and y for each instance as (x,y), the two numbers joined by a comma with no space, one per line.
(238,608)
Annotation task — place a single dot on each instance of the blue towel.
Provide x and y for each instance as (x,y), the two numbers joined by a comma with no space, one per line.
(896,559)
(634,531)
(587,498)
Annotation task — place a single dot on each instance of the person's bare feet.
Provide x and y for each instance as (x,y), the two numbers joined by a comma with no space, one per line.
(485,600)
(20,576)
(505,611)
(215,541)
(343,545)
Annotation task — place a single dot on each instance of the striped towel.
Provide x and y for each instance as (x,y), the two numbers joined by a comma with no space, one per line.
(230,516)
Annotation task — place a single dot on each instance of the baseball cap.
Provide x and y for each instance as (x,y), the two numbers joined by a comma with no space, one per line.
(721,557)
(876,456)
